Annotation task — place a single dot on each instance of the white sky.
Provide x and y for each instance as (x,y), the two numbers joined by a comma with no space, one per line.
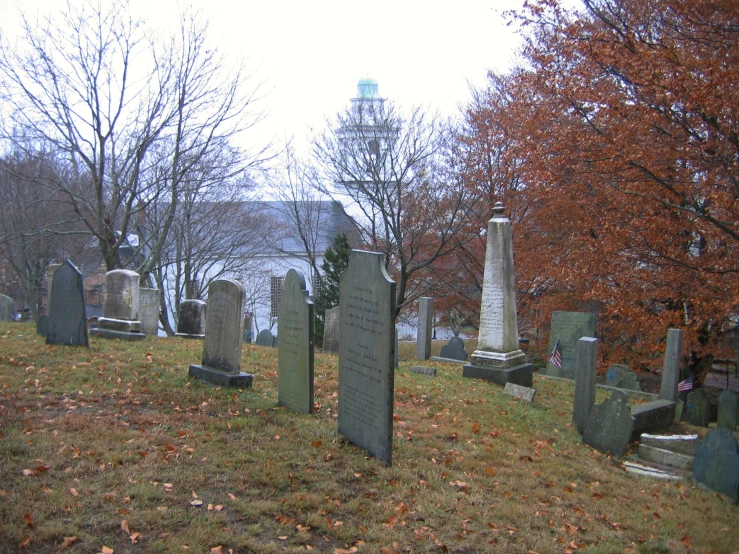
(309,55)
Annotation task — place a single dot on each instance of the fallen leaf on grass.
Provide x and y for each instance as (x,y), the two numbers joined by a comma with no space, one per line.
(216,550)
(74,492)
(25,541)
(231,496)
(124,526)
(28,519)
(69,541)
(686,541)
(106,550)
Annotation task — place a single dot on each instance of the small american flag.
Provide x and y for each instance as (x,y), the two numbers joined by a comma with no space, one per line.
(686,385)
(556,356)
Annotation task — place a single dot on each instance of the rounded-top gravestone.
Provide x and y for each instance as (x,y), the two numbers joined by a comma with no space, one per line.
(121,294)
(67,322)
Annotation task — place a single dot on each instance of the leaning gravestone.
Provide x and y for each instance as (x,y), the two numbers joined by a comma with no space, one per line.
(699,408)
(149,311)
(265,338)
(671,366)
(67,322)
(331,331)
(727,410)
(615,373)
(425,327)
(716,463)
(192,318)
(568,328)
(585,376)
(42,325)
(121,307)
(610,424)
(224,335)
(453,350)
(295,349)
(366,354)
(7,312)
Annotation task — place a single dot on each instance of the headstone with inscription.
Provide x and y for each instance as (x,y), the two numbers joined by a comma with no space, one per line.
(610,424)
(121,307)
(671,365)
(295,348)
(149,311)
(67,321)
(366,354)
(615,373)
(265,338)
(585,376)
(453,350)
(568,328)
(727,409)
(7,308)
(331,331)
(192,318)
(498,357)
(425,328)
(699,408)
(224,336)
(716,463)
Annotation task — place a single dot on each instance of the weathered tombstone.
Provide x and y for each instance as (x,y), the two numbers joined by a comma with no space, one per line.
(265,338)
(121,307)
(517,391)
(568,328)
(50,269)
(67,322)
(615,373)
(727,409)
(423,370)
(295,349)
(454,350)
(42,325)
(224,335)
(7,310)
(671,366)
(585,377)
(192,319)
(331,331)
(366,354)
(425,328)
(699,408)
(248,324)
(610,424)
(149,311)
(716,463)
(498,357)
(630,382)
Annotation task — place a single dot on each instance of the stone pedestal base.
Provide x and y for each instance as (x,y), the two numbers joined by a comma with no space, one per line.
(186,336)
(522,374)
(113,334)
(220,378)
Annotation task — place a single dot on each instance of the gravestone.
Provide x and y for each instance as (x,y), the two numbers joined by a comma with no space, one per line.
(517,391)
(671,366)
(498,357)
(727,410)
(568,328)
(423,370)
(454,350)
(295,348)
(615,373)
(42,325)
(50,269)
(192,319)
(224,335)
(67,321)
(120,308)
(716,463)
(248,324)
(149,311)
(7,310)
(331,331)
(585,377)
(698,408)
(265,338)
(630,382)
(366,354)
(610,424)
(425,328)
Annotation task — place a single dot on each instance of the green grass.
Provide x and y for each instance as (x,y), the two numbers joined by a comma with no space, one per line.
(91,438)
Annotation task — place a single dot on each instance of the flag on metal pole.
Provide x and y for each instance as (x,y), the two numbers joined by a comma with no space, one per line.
(686,385)
(556,356)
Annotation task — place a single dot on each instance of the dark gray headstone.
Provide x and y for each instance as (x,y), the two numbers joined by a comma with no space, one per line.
(568,327)
(366,354)
(42,325)
(716,463)
(67,320)
(423,370)
(295,348)
(425,328)
(698,408)
(192,318)
(727,409)
(7,308)
(149,311)
(615,373)
(610,424)
(331,331)
(585,377)
(265,338)
(224,335)
(671,366)
(454,350)
(630,381)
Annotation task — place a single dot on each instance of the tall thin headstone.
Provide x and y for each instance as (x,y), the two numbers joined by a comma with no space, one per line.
(7,310)
(425,327)
(366,354)
(192,318)
(149,311)
(224,336)
(295,348)
(331,331)
(498,357)
(67,322)
(585,377)
(671,366)
(121,307)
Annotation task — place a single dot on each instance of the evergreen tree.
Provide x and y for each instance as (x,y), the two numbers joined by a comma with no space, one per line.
(335,262)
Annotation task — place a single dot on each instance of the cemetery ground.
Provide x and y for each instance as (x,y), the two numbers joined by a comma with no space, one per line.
(114,449)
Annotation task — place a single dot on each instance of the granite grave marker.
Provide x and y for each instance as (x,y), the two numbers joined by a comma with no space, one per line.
(585,377)
(698,408)
(7,310)
(671,365)
(716,463)
(192,319)
(149,311)
(67,321)
(727,410)
(610,424)
(568,328)
(425,328)
(615,373)
(265,338)
(454,350)
(121,307)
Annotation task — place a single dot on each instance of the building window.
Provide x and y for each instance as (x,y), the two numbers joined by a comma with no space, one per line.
(276,284)
(317,284)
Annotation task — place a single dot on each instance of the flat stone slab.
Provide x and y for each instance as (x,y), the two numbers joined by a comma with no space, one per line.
(646,471)
(519,375)
(682,444)
(446,360)
(121,335)
(423,370)
(656,415)
(239,380)
(186,336)
(665,457)
(128,325)
(522,393)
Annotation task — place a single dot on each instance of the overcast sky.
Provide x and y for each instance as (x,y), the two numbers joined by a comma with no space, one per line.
(310,55)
